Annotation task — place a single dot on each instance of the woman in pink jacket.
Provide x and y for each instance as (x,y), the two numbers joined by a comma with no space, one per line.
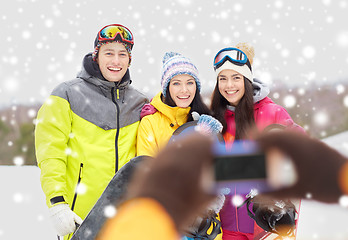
(240,103)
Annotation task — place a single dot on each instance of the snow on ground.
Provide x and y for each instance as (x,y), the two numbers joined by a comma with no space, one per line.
(23,211)
(24,215)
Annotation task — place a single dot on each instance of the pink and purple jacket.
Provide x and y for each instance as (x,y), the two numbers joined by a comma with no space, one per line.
(266,112)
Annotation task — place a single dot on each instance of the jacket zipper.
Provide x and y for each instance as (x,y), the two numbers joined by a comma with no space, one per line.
(78,182)
(118,124)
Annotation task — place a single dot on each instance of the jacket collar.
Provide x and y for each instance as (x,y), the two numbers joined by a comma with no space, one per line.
(91,73)
(175,114)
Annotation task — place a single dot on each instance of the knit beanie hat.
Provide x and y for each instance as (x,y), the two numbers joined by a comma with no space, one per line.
(176,64)
(245,69)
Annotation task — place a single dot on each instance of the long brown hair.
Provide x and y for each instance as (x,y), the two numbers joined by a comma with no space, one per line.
(244,110)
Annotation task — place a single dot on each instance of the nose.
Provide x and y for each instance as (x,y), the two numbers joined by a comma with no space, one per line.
(116,59)
(184,88)
(230,83)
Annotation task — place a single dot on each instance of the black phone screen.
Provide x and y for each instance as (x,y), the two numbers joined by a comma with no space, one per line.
(238,167)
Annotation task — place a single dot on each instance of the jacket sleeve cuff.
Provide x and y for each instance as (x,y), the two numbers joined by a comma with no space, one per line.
(58,199)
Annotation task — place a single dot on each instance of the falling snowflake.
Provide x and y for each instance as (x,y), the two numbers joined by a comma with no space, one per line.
(49,23)
(216,37)
(308,52)
(190,25)
(343,201)
(81,188)
(238,7)
(321,118)
(18,160)
(237,200)
(18,197)
(289,101)
(110,211)
(340,89)
(345,101)
(26,34)
(342,39)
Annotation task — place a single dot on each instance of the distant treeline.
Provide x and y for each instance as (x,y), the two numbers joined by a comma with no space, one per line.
(321,110)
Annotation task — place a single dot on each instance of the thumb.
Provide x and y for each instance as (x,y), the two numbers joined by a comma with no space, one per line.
(77,219)
(195,116)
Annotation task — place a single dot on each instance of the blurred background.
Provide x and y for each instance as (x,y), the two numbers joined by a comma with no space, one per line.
(301,52)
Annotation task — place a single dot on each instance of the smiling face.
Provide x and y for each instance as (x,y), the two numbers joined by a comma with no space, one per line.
(182,89)
(231,86)
(113,60)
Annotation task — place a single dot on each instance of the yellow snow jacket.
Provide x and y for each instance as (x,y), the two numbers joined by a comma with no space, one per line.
(85,132)
(155,130)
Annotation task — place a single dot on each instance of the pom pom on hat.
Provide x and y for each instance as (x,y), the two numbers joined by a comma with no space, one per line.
(176,64)
(168,55)
(248,50)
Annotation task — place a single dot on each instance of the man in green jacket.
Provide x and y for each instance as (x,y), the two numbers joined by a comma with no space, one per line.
(86,130)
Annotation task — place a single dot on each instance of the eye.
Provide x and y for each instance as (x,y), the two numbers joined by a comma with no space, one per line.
(123,54)
(108,53)
(222,78)
(176,83)
(190,83)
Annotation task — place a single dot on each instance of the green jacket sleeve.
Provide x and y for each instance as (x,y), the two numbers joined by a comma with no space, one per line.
(52,133)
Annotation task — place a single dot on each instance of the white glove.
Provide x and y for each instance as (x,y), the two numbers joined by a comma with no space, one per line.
(64,219)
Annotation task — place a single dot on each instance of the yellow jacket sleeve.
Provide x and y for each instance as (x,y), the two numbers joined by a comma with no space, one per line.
(146,138)
(142,218)
(51,136)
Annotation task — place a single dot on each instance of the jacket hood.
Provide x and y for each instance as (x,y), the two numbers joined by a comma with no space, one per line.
(261,90)
(175,114)
(91,73)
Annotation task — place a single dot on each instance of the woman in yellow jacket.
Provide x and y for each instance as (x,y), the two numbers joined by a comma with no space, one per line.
(171,108)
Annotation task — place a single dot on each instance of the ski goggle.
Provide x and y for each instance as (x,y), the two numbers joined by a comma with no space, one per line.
(234,55)
(110,32)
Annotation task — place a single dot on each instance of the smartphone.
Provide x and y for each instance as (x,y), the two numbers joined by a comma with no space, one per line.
(241,168)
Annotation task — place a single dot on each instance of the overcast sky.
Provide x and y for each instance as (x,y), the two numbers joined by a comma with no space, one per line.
(296,42)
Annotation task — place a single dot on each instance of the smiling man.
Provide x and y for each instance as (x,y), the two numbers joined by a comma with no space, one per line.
(86,130)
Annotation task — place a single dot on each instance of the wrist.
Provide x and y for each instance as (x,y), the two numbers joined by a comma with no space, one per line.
(57,200)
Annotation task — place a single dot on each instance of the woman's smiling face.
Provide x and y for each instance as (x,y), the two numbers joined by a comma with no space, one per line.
(231,86)
(182,89)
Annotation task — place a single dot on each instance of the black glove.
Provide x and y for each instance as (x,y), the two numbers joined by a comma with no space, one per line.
(175,178)
(273,216)
(318,166)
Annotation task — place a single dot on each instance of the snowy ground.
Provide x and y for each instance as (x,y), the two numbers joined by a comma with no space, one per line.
(23,213)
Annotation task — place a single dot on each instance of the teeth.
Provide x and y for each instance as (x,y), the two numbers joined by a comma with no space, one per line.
(231,92)
(184,97)
(114,69)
